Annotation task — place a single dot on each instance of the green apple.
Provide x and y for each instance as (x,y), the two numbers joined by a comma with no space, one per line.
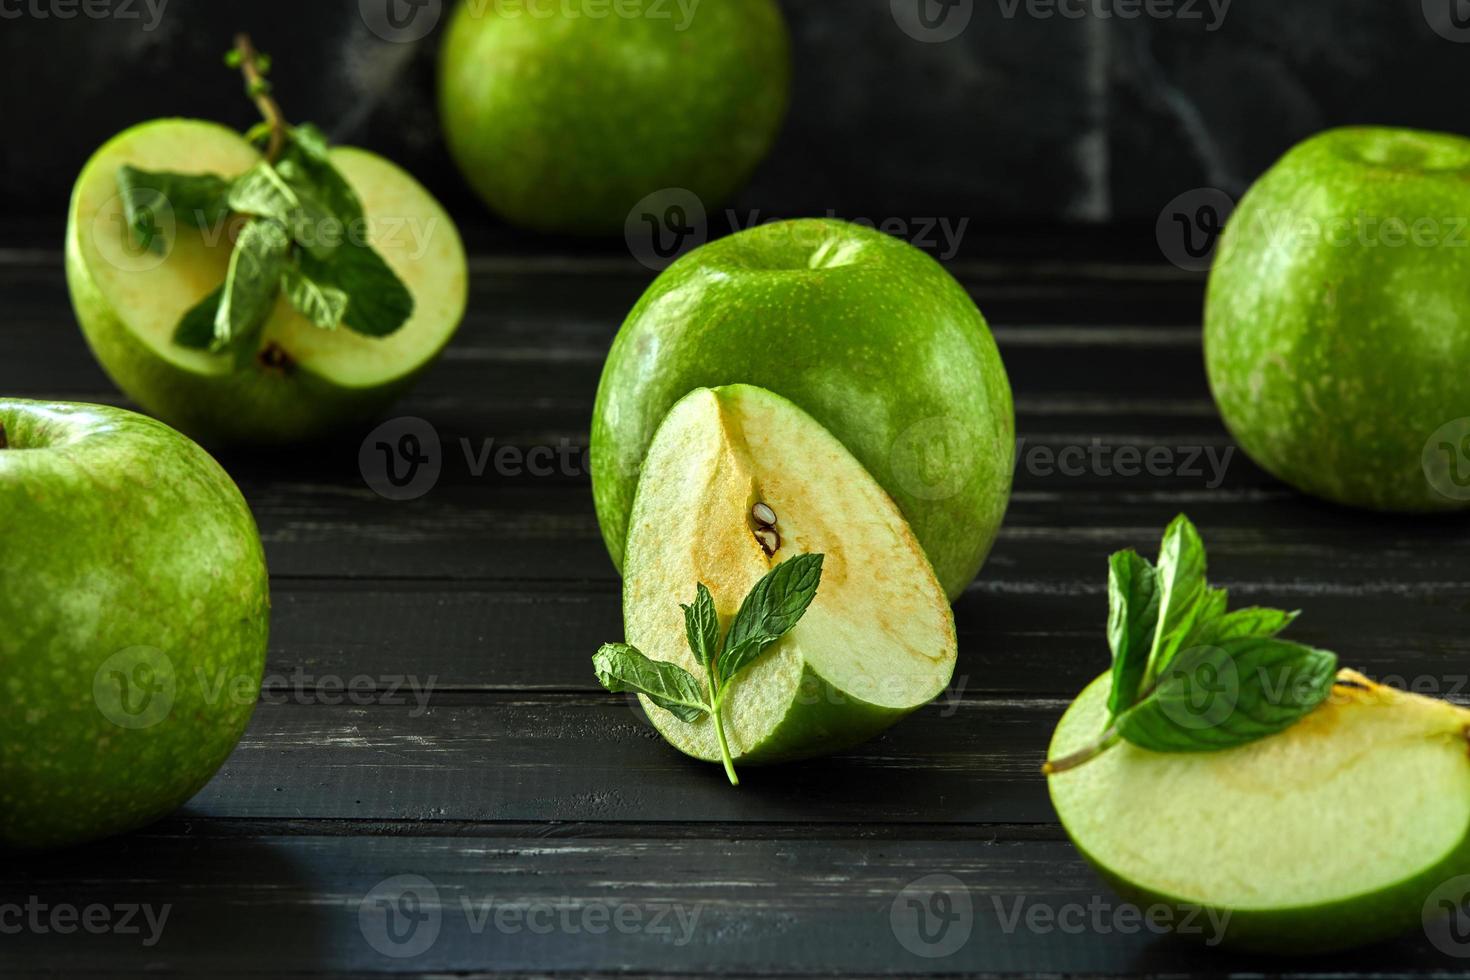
(861,330)
(135,601)
(563,120)
(1332,834)
(129,300)
(1338,310)
(878,640)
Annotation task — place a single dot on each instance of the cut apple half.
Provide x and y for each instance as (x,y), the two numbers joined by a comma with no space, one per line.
(1329,835)
(736,481)
(130,300)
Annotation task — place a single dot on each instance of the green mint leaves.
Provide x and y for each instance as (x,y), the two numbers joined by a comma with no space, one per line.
(773,607)
(304,237)
(1188,675)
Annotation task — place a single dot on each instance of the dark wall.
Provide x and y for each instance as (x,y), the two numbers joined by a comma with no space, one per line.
(1028,116)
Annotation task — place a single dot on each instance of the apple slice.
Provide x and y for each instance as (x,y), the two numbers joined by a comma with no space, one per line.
(1329,835)
(877,642)
(130,300)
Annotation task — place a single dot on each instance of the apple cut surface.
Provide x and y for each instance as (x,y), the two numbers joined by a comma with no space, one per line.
(129,300)
(1329,835)
(878,640)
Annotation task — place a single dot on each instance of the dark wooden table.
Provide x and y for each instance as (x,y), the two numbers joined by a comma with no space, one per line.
(544,828)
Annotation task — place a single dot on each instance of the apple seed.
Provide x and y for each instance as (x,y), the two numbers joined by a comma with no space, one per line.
(763,515)
(274,358)
(769,540)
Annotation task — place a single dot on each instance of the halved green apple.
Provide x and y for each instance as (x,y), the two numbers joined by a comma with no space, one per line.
(130,300)
(877,642)
(1329,835)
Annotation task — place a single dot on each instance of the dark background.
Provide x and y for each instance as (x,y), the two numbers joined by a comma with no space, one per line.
(1022,122)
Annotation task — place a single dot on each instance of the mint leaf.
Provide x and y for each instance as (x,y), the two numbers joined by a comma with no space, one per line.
(251,287)
(622,669)
(199,200)
(1219,697)
(307,158)
(1252,621)
(261,192)
(196,327)
(1181,584)
(1133,616)
(379,303)
(702,626)
(322,305)
(775,605)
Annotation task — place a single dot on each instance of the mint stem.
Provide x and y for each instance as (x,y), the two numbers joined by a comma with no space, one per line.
(1083,756)
(259,91)
(725,749)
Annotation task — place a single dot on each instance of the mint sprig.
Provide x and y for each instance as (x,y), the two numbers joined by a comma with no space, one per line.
(1188,675)
(302,236)
(770,610)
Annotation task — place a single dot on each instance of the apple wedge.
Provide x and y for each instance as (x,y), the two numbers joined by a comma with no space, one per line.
(307,380)
(737,480)
(1329,835)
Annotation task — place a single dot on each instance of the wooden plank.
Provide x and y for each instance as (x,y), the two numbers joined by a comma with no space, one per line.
(476,636)
(566,758)
(294,905)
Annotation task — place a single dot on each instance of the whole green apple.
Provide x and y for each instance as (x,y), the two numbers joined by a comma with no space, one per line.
(563,120)
(135,604)
(1338,319)
(866,333)
(130,300)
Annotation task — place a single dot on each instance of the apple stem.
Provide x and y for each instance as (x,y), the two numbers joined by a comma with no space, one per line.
(4,443)
(259,89)
(1083,756)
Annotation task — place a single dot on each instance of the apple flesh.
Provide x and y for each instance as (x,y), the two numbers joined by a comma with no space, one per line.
(129,301)
(867,334)
(878,640)
(1329,835)
(563,122)
(1337,306)
(135,601)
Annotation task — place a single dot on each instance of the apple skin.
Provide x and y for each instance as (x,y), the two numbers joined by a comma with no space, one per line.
(1306,930)
(1331,341)
(242,408)
(564,123)
(119,534)
(867,334)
